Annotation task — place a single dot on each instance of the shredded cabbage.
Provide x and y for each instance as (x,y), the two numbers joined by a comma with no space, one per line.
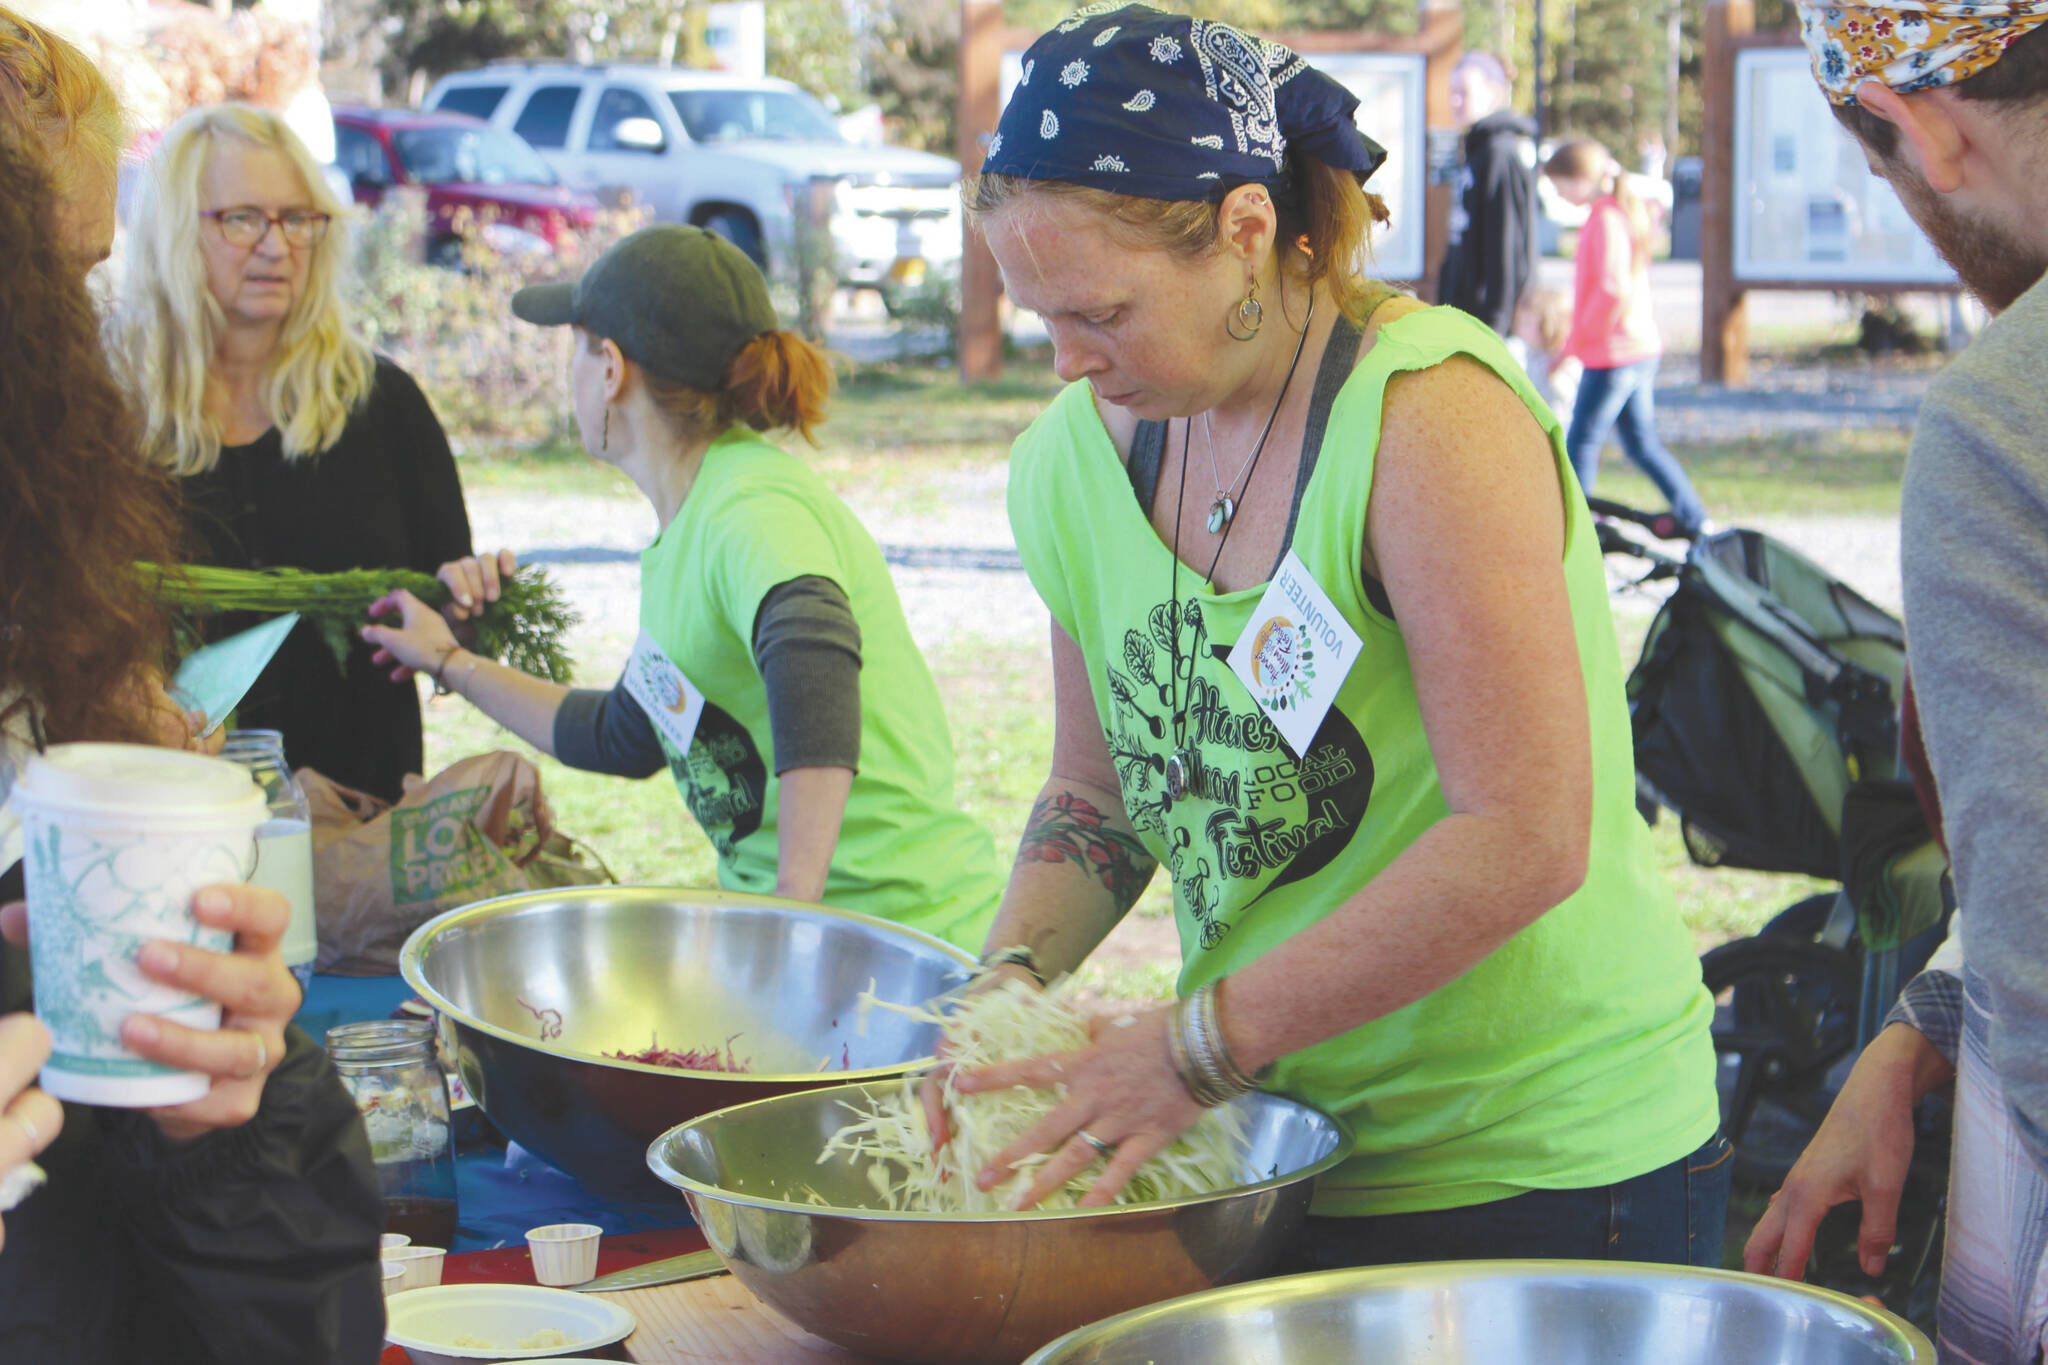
(1008,1022)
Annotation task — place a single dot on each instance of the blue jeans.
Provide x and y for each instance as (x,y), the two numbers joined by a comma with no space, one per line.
(1619,400)
(1676,1214)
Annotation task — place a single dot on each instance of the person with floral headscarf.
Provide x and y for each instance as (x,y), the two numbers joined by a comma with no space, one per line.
(1331,643)
(1949,101)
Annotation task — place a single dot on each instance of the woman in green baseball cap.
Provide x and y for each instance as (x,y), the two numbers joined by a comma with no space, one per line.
(774,675)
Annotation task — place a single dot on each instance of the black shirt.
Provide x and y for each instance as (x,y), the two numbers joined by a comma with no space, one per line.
(1491,256)
(254,1245)
(385,495)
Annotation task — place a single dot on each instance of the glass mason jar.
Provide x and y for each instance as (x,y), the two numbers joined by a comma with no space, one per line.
(389,1065)
(284,843)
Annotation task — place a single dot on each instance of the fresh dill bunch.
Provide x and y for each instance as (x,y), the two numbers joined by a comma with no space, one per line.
(524,628)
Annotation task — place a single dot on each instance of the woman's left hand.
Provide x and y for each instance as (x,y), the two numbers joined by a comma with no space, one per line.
(421,642)
(475,580)
(1122,1091)
(256,991)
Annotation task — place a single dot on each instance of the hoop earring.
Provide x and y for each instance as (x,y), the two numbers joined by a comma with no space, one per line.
(604,435)
(1247,317)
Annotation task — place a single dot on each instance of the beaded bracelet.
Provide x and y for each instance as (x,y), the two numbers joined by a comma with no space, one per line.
(1018,956)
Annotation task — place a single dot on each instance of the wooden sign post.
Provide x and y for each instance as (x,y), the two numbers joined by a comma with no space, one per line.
(1724,313)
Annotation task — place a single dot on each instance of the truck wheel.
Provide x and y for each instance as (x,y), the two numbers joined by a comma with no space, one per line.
(739,229)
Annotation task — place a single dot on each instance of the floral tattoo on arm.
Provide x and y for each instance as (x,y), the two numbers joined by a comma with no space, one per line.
(1067,829)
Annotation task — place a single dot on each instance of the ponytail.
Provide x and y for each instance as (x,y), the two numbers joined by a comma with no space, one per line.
(1585,159)
(1637,212)
(777,381)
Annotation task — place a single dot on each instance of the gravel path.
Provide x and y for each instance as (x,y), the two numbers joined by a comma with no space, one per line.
(1783,400)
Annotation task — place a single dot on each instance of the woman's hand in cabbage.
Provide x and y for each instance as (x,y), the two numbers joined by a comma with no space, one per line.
(932,1091)
(1122,1090)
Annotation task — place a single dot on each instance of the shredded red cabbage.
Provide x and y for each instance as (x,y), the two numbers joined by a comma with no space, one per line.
(700,1059)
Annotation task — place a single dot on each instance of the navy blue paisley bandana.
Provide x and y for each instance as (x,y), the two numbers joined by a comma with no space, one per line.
(1127,98)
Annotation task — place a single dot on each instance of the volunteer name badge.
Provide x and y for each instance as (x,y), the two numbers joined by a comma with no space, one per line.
(668,698)
(1295,653)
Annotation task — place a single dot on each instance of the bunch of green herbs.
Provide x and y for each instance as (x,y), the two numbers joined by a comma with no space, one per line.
(524,628)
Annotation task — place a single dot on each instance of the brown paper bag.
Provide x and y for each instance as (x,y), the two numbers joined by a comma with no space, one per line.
(477,829)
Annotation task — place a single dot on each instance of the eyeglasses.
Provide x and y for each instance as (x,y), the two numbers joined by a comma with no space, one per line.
(248,225)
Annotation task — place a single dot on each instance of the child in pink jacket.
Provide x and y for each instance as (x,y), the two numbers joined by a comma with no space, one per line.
(1612,333)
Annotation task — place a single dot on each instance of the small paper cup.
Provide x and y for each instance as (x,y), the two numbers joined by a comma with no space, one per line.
(564,1253)
(394,1271)
(393,1239)
(118,838)
(422,1266)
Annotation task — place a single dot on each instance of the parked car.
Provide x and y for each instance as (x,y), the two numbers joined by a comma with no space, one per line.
(739,156)
(471,172)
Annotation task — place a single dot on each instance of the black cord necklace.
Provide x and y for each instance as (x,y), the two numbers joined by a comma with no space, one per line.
(1180,763)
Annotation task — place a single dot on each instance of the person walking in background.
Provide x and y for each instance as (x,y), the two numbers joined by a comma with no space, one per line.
(1491,257)
(1613,334)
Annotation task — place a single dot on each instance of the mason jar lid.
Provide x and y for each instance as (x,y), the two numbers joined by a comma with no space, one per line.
(381,1042)
(272,737)
(252,743)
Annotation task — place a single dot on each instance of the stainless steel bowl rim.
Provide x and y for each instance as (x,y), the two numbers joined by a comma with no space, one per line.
(417,943)
(1467,1272)
(659,1164)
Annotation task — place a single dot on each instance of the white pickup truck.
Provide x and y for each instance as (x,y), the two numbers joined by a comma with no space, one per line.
(738,156)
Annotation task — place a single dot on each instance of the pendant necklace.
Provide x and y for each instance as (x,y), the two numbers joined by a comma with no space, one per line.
(1180,764)
(1224,506)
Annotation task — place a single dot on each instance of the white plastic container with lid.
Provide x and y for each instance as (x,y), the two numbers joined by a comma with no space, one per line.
(119,838)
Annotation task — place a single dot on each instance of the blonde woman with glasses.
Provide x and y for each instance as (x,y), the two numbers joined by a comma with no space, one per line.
(297,446)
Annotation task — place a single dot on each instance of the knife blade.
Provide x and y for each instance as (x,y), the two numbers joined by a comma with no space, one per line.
(694,1266)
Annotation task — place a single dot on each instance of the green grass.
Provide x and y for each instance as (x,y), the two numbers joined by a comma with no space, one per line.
(891,427)
(1844,473)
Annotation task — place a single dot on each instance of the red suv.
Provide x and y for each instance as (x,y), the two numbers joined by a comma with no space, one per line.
(464,164)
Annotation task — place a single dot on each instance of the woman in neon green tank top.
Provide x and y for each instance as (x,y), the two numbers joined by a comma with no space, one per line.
(1331,644)
(774,677)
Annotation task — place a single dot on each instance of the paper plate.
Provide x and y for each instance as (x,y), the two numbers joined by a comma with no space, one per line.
(449,1323)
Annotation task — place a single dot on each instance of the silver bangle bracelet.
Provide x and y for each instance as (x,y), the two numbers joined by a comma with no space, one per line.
(1199,1054)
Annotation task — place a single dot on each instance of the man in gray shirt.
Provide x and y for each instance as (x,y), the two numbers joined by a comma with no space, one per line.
(1952,110)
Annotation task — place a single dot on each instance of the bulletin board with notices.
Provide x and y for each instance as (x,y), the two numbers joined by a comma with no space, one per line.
(1807,208)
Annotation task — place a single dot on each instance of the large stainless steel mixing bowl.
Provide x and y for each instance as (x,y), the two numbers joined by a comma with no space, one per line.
(986,1288)
(1503,1313)
(537,985)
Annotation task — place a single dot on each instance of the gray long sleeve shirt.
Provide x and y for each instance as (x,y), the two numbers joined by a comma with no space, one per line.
(1975,556)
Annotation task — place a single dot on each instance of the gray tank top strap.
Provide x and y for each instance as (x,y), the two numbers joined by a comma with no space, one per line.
(1148,452)
(1340,354)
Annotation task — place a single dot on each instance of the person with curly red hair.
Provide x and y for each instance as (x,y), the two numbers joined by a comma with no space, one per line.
(241,1226)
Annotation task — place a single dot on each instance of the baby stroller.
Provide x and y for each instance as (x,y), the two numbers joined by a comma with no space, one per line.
(1765,715)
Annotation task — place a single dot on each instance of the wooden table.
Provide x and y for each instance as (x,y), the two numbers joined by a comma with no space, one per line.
(712,1321)
(716,1321)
